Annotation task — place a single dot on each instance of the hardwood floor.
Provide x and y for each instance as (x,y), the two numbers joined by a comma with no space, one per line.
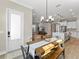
(72,49)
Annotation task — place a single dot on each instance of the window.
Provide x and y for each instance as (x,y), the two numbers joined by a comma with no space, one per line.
(15,26)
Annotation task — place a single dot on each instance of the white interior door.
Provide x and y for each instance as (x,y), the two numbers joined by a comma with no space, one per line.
(14,29)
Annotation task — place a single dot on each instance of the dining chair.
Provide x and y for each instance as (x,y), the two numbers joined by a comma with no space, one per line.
(25,52)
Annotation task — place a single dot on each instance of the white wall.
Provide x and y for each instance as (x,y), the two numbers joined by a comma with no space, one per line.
(2,24)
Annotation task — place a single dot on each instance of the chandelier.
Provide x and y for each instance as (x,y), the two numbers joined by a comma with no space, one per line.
(58,15)
(47,18)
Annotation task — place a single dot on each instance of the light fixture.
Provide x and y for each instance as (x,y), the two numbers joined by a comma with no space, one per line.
(70,10)
(46,18)
(58,16)
(51,18)
(72,13)
(42,18)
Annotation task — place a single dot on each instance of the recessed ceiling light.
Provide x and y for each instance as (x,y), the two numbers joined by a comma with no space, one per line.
(70,10)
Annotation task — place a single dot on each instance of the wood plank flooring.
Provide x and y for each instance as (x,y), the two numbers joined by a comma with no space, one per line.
(72,49)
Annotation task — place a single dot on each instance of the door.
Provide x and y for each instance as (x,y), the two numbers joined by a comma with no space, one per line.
(14,29)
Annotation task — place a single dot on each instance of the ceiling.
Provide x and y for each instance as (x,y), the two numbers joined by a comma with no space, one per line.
(68,8)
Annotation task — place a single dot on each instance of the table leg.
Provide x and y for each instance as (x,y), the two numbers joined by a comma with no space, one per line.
(64,54)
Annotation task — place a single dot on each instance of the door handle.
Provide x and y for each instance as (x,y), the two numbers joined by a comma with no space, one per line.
(8,33)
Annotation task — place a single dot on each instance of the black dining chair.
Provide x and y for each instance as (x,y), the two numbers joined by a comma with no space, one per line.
(25,52)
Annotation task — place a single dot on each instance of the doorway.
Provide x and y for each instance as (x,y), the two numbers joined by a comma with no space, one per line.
(14,29)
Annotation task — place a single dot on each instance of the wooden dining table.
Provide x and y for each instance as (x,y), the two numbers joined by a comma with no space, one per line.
(58,52)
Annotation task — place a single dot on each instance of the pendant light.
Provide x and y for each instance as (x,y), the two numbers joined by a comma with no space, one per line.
(47,18)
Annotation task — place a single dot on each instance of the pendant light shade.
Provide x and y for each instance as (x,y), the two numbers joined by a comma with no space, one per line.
(51,18)
(42,18)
